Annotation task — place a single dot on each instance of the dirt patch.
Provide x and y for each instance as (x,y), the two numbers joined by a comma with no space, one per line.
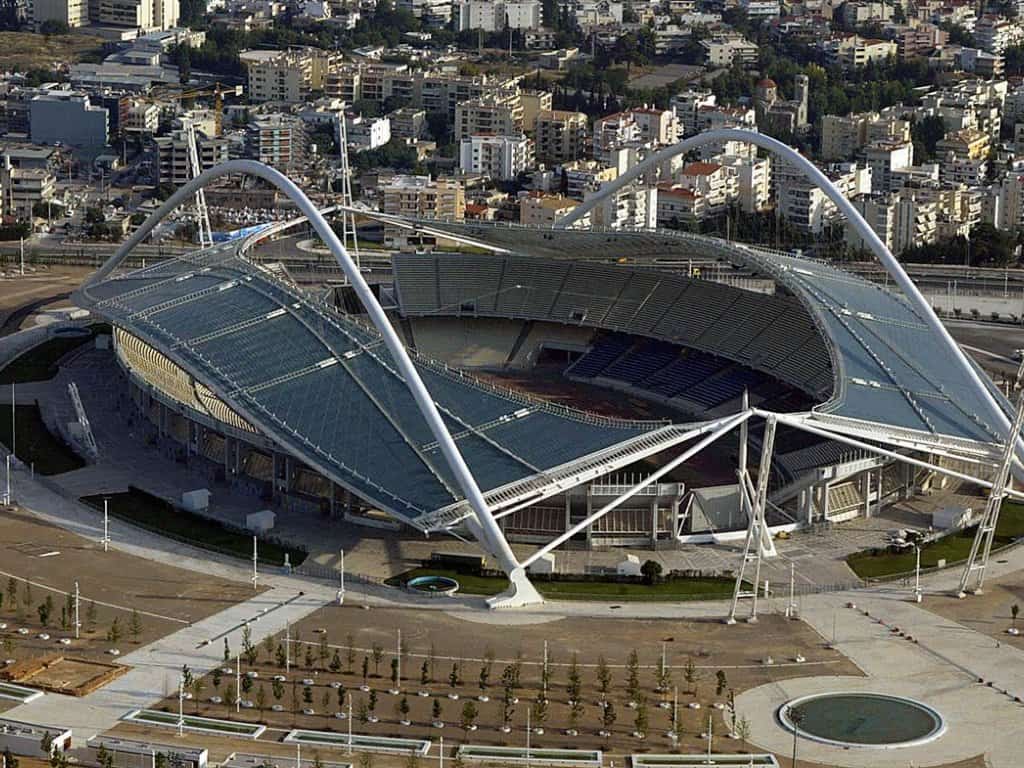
(990,612)
(61,674)
(694,652)
(23,50)
(112,584)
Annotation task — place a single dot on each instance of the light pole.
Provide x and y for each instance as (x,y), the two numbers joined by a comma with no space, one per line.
(106,525)
(238,683)
(255,556)
(78,624)
(917,572)
(181,705)
(287,652)
(796,716)
(350,723)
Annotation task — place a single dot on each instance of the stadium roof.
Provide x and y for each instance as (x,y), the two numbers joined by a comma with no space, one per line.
(324,387)
(889,367)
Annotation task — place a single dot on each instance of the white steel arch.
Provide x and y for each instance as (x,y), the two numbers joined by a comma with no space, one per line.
(482,523)
(1000,419)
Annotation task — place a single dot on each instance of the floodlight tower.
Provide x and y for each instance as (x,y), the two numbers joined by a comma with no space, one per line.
(973,577)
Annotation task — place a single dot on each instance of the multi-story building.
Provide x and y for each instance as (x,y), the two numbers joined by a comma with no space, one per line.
(676,206)
(74,13)
(614,132)
(805,206)
(69,118)
(500,114)
(914,42)
(365,133)
(22,188)
(534,102)
(540,210)
(277,140)
(885,156)
(687,106)
(843,136)
(172,156)
(141,118)
(901,220)
(431,13)
(501,158)
(724,50)
(421,197)
(715,183)
(581,177)
(968,143)
(995,34)
(633,207)
(147,15)
(287,76)
(853,51)
(408,122)
(431,91)
(753,180)
(495,15)
(560,136)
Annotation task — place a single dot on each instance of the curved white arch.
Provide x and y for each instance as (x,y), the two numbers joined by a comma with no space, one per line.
(812,172)
(483,525)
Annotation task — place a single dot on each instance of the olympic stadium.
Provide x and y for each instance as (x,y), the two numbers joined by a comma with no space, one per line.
(850,393)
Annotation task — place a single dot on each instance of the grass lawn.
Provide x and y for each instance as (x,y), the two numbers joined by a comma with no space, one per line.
(677,589)
(148,511)
(34,444)
(25,50)
(953,548)
(40,363)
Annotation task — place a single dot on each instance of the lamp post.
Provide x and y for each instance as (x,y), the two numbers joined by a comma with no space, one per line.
(796,716)
(917,572)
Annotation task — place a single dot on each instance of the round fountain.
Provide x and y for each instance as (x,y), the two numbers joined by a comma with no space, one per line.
(433,586)
(862,720)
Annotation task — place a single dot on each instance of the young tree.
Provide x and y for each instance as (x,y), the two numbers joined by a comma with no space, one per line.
(664,676)
(277,689)
(372,702)
(575,713)
(720,682)
(412,760)
(27,594)
(425,673)
(394,673)
(545,675)
(469,715)
(246,684)
(539,713)
(196,689)
(279,656)
(261,699)
(268,645)
(1014,611)
(12,592)
(486,669)
(690,675)
(572,687)
(135,625)
(633,675)
(186,676)
(335,665)
(604,677)
(365,760)
(363,713)
(453,676)
(743,729)
(216,679)
(229,696)
(651,571)
(323,651)
(378,657)
(308,657)
(640,721)
(249,651)
(114,633)
(45,609)
(436,711)
(325,703)
(730,704)
(90,617)
(403,709)
(341,693)
(227,651)
(366,668)
(307,695)
(350,653)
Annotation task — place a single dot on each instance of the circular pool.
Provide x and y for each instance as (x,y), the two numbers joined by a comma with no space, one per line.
(862,720)
(435,586)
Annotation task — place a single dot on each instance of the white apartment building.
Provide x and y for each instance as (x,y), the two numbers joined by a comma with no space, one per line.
(900,220)
(501,158)
(141,118)
(496,15)
(805,206)
(277,140)
(853,51)
(995,34)
(753,180)
(613,132)
(172,156)
(726,50)
(365,133)
(287,76)
(560,135)
(884,157)
(499,114)
(148,15)
(715,183)
(544,211)
(433,13)
(687,106)
(843,136)
(632,207)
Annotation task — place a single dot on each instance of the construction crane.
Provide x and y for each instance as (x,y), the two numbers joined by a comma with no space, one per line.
(185,97)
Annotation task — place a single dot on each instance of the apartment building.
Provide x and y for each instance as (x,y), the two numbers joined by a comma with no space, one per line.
(147,15)
(539,210)
(901,220)
(277,140)
(172,156)
(74,13)
(287,76)
(560,136)
(499,114)
(496,15)
(501,158)
(632,207)
(687,106)
(805,206)
(854,51)
(844,136)
(421,197)
(22,188)
(884,157)
(995,34)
